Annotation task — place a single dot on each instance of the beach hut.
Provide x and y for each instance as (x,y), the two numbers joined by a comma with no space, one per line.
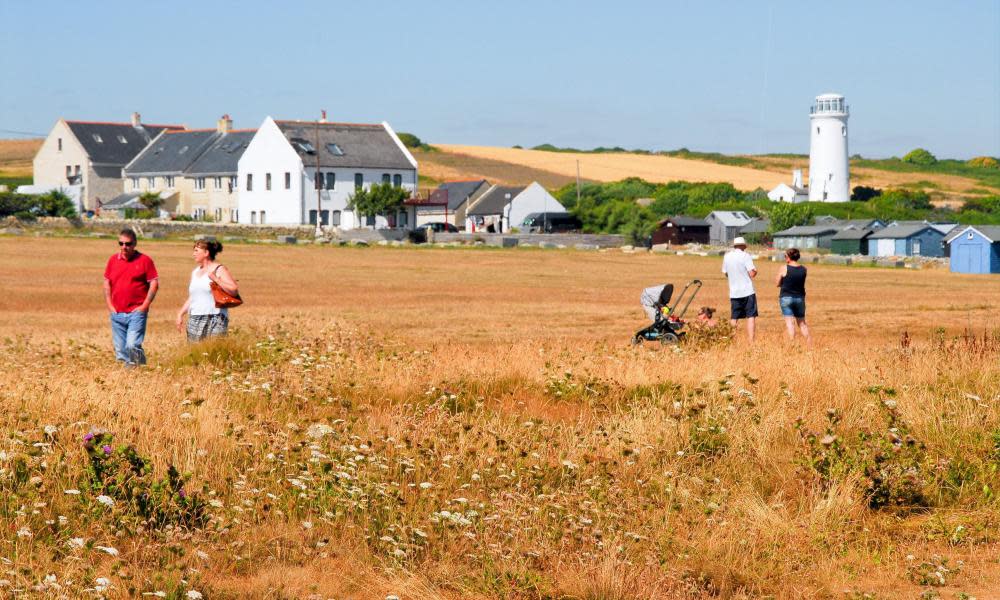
(975,249)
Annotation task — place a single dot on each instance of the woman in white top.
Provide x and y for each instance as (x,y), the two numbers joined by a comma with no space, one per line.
(204,319)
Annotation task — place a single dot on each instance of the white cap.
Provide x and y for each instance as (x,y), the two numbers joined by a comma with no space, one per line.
(739,241)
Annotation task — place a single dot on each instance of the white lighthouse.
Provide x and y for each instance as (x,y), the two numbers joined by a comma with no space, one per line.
(829,179)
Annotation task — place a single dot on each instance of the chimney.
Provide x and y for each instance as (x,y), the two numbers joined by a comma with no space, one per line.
(797,178)
(136,119)
(225,124)
(323,118)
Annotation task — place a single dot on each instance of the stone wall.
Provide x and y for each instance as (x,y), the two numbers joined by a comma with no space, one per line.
(569,240)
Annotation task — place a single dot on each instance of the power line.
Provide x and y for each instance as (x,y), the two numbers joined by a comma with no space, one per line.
(31,133)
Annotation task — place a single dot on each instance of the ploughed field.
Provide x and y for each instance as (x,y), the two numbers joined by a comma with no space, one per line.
(472,423)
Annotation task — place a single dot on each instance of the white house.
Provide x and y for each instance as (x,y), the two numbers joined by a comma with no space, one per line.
(505,207)
(790,193)
(288,164)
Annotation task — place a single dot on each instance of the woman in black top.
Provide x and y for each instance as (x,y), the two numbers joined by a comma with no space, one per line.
(791,280)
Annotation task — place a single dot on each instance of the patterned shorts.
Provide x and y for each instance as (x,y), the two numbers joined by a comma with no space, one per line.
(200,327)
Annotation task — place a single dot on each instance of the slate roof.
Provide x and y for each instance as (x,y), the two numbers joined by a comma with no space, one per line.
(222,155)
(171,152)
(731,218)
(806,230)
(991,232)
(110,150)
(459,191)
(900,231)
(757,225)
(852,234)
(362,145)
(683,221)
(494,200)
(127,200)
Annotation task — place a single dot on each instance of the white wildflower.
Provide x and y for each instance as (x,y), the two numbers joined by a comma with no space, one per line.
(75,543)
(101,584)
(106,500)
(193,595)
(72,492)
(425,485)
(186,415)
(107,550)
(307,524)
(50,430)
(24,532)
(318,430)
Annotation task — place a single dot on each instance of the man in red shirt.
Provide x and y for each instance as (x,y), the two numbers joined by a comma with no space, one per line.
(130,284)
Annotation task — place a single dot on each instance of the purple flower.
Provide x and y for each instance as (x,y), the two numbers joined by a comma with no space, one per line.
(107,449)
(88,437)
(182,493)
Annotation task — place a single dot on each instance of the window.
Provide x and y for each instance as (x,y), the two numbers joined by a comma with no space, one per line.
(397,180)
(151,182)
(263,217)
(218,183)
(199,213)
(359,180)
(318,181)
(199,183)
(234,215)
(370,221)
(843,130)
(817,130)
(267,181)
(303,145)
(69,171)
(218,214)
(135,183)
(385,178)
(77,169)
(916,247)
(60,144)
(232,184)
(335,149)
(170,181)
(253,217)
(288,180)
(331,179)
(249,182)
(324,215)
(402,219)
(122,139)
(97,138)
(336,218)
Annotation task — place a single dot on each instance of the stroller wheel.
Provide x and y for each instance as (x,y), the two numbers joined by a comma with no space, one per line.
(637,340)
(668,338)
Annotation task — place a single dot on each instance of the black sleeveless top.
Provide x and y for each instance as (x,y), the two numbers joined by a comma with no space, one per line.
(794,282)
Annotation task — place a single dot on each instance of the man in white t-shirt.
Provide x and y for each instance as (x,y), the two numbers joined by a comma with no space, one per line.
(738,267)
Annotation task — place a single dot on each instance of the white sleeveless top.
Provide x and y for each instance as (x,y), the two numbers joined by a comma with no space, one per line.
(200,294)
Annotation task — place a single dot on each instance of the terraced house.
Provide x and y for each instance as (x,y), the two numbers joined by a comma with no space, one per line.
(86,157)
(295,172)
(194,172)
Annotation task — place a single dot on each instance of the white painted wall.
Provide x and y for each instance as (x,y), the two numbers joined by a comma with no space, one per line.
(270,152)
(533,199)
(829,177)
(785,193)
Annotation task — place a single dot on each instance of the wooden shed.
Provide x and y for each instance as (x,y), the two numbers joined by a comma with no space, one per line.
(850,241)
(681,230)
(975,249)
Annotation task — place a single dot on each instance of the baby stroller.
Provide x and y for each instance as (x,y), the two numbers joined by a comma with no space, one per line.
(668,325)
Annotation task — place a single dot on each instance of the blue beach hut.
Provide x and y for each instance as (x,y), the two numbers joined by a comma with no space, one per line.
(975,249)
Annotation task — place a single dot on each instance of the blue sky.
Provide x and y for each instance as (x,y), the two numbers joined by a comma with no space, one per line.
(733,77)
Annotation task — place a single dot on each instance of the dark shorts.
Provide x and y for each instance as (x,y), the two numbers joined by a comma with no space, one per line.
(744,308)
(793,306)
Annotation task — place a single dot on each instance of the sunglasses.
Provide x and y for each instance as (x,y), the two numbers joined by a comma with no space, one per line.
(126,243)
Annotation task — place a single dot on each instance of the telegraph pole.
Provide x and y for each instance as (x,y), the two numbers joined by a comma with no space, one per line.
(578,182)
(318,182)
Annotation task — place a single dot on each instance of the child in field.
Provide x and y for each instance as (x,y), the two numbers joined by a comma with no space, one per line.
(705,317)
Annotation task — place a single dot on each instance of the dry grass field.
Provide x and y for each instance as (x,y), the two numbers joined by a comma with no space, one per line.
(472,423)
(16,156)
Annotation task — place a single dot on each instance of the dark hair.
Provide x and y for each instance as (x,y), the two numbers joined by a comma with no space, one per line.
(793,253)
(212,246)
(708,311)
(128,232)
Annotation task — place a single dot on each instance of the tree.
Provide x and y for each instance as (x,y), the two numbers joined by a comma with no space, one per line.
(863,193)
(409,140)
(152,201)
(984,162)
(379,199)
(784,215)
(921,157)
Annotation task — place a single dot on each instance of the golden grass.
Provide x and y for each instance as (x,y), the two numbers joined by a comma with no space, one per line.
(570,464)
(16,156)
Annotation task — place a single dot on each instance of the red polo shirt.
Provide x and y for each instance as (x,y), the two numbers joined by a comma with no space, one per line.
(129,280)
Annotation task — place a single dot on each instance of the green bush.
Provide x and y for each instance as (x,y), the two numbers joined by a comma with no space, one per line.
(919,156)
(983,162)
(29,206)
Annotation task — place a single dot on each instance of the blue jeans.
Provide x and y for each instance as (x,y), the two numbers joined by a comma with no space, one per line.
(793,306)
(127,332)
